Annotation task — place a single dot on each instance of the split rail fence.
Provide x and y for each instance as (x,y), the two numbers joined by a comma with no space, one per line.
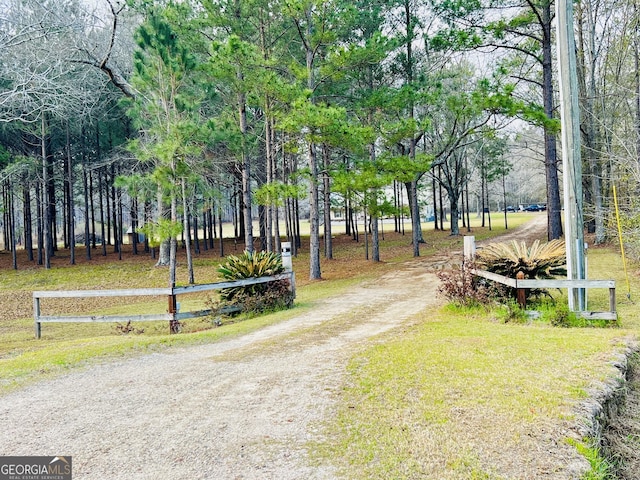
(172,314)
(524,284)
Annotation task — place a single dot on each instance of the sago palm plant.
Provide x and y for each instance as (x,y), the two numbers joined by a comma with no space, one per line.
(540,260)
(259,296)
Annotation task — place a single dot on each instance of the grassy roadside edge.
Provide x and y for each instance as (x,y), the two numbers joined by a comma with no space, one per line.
(454,396)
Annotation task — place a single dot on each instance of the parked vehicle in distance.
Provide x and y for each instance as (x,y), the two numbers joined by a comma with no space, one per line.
(532,208)
(511,208)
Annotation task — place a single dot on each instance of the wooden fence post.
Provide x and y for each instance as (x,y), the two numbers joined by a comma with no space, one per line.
(612,300)
(521,293)
(36,317)
(174,325)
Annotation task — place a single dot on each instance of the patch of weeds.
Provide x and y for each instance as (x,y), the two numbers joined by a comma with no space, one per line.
(466,311)
(460,286)
(511,312)
(601,467)
(558,314)
(127,328)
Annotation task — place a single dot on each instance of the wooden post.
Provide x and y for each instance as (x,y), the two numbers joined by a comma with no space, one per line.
(173,323)
(36,317)
(612,300)
(521,293)
(469,248)
(292,280)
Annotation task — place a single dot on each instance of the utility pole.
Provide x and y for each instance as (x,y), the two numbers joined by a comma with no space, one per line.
(571,159)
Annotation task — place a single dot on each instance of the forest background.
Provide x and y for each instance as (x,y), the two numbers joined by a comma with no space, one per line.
(170,118)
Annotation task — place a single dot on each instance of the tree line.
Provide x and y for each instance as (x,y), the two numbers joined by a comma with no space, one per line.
(170,117)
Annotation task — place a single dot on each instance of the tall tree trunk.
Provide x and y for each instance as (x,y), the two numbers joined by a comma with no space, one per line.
(40,220)
(296,225)
(466,192)
(636,59)
(120,222)
(314,218)
(196,234)
(51,201)
(396,205)
(187,236)
(326,195)
(134,213)
(174,326)
(5,216)
(246,175)
(101,198)
(12,220)
(443,213)
(486,191)
(589,129)
(45,184)
(108,205)
(375,237)
(114,209)
(554,220)
(70,202)
(504,199)
(453,206)
(85,191)
(220,238)
(93,210)
(212,226)
(366,229)
(412,187)
(270,164)
(27,219)
(435,202)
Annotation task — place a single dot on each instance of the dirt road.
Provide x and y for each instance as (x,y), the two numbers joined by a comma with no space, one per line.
(238,409)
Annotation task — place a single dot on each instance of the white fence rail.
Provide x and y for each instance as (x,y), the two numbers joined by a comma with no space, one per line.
(172,315)
(525,284)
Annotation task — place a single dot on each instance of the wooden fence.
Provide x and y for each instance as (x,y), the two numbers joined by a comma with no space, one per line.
(524,284)
(172,315)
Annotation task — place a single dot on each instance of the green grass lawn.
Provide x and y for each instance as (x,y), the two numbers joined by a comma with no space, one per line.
(460,395)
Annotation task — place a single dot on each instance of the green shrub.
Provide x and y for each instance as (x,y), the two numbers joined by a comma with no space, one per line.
(257,297)
(601,467)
